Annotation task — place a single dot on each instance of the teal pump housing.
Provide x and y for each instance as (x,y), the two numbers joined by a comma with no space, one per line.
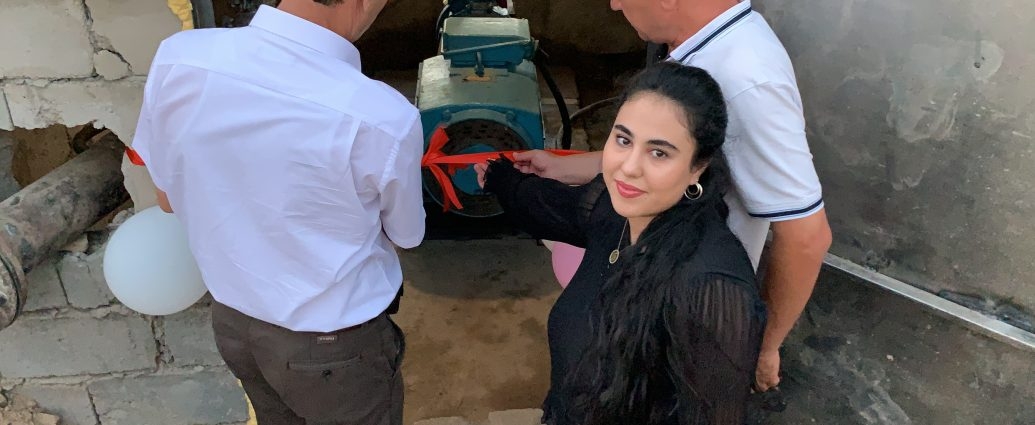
(483,90)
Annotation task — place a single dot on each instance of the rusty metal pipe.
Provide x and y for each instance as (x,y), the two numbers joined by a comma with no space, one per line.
(49,213)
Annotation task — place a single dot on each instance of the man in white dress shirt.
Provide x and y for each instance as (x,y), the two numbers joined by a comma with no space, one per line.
(775,183)
(295,177)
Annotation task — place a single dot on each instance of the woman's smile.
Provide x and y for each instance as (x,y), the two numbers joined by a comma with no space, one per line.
(628,190)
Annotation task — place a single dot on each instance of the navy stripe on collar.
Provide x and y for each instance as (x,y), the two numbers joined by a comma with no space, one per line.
(740,16)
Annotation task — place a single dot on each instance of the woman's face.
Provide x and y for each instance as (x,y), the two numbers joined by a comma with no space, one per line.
(648,156)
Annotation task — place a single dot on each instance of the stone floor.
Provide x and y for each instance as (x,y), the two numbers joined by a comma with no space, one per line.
(82,356)
(476,343)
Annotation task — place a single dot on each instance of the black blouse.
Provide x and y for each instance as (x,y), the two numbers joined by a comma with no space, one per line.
(716,302)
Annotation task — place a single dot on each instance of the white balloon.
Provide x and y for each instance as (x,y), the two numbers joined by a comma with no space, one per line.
(149,266)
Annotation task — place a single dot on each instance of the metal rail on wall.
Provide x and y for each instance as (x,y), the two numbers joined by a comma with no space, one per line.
(969,318)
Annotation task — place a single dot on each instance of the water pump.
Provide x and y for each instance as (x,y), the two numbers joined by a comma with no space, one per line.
(483,90)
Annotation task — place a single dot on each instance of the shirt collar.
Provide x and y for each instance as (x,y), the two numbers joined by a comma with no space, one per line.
(305,33)
(717,26)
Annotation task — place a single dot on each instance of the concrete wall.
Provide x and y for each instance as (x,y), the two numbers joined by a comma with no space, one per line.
(78,61)
(920,117)
(75,62)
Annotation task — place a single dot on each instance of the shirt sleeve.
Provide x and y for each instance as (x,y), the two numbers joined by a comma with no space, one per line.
(400,189)
(143,137)
(769,155)
(545,208)
(715,327)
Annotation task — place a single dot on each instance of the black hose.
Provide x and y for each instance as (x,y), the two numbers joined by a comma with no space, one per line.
(562,108)
(656,53)
(452,7)
(592,106)
(203,13)
(441,21)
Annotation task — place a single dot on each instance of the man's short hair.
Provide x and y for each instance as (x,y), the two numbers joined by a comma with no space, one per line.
(329,2)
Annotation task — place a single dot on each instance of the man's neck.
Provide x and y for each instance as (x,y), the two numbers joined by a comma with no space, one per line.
(313,12)
(695,15)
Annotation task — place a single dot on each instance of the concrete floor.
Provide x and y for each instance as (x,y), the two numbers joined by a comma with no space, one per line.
(860,355)
(474,313)
(475,317)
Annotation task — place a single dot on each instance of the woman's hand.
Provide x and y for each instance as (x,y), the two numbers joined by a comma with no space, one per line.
(480,169)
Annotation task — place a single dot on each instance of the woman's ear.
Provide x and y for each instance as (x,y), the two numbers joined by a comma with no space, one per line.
(697,170)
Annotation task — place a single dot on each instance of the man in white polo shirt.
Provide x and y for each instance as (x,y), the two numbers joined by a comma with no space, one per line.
(775,183)
(294,175)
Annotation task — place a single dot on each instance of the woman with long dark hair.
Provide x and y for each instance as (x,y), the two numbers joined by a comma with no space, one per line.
(662,322)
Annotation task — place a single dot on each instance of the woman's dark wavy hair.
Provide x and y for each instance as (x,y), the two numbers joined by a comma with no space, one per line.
(625,375)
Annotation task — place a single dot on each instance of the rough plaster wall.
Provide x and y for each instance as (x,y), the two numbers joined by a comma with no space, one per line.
(47,38)
(921,120)
(75,62)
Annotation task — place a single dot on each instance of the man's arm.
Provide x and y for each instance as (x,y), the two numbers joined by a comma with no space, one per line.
(773,172)
(163,201)
(401,192)
(796,255)
(572,169)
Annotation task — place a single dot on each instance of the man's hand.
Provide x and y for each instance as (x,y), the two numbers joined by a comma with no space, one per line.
(163,201)
(480,169)
(572,169)
(767,374)
(540,163)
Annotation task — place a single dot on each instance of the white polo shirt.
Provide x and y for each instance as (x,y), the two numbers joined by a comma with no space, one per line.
(292,172)
(770,163)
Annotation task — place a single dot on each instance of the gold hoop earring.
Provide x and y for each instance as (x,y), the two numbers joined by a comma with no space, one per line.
(696,194)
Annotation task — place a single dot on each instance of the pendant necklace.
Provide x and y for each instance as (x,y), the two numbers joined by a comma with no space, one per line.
(613,258)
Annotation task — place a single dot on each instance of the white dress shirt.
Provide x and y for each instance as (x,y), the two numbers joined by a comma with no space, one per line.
(292,172)
(769,158)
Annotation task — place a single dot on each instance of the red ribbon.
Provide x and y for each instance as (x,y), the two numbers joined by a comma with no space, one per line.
(134,157)
(434,160)
(442,166)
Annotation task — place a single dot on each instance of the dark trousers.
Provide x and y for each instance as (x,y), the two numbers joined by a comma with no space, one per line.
(347,377)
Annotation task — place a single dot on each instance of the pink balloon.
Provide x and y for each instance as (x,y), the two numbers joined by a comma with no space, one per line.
(566,260)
